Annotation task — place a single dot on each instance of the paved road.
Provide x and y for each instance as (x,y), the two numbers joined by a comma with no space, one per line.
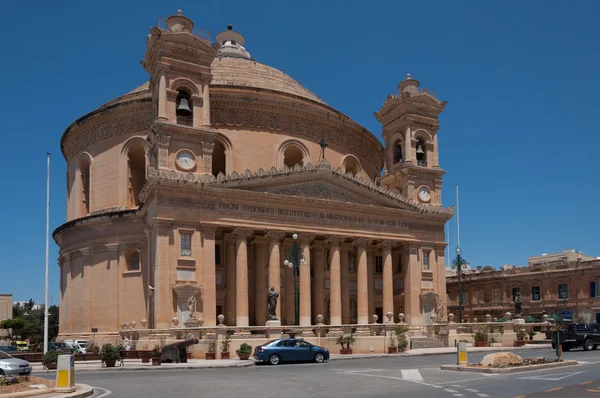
(386,377)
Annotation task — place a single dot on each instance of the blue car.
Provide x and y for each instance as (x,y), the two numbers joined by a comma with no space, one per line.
(290,350)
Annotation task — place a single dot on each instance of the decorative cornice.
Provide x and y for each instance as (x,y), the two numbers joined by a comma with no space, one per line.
(387,244)
(243,233)
(362,241)
(306,238)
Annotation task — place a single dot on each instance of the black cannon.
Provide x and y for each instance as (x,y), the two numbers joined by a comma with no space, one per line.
(176,352)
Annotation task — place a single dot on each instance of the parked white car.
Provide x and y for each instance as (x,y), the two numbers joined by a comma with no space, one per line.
(13,366)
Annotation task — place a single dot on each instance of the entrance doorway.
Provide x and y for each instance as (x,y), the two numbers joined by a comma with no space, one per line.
(379,313)
(597,317)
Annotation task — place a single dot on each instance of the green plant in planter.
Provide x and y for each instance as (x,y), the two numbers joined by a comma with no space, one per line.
(531,333)
(393,341)
(244,350)
(341,340)
(493,340)
(156,352)
(50,357)
(110,352)
(93,348)
(212,345)
(481,335)
(521,334)
(225,343)
(349,341)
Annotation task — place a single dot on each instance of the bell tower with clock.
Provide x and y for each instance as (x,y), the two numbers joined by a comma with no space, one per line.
(410,127)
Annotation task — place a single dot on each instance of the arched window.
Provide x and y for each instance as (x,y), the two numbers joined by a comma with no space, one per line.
(351,165)
(184,109)
(84,184)
(293,156)
(136,174)
(397,154)
(134,262)
(421,154)
(219,160)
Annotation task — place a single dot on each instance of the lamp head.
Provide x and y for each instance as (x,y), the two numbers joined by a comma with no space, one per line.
(458,250)
(295,236)
(303,262)
(286,262)
(290,264)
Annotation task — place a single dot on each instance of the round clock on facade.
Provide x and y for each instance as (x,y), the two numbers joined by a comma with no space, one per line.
(424,194)
(186,160)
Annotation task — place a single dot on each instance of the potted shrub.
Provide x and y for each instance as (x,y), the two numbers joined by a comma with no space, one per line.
(393,347)
(480,337)
(531,333)
(244,351)
(345,342)
(156,352)
(401,338)
(145,354)
(520,338)
(212,348)
(50,358)
(225,347)
(110,354)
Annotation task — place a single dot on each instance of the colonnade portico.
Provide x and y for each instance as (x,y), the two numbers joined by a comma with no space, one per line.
(253,262)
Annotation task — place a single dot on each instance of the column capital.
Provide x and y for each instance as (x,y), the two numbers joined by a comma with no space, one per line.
(386,244)
(335,240)
(260,239)
(362,241)
(306,238)
(244,233)
(161,229)
(209,230)
(319,244)
(275,235)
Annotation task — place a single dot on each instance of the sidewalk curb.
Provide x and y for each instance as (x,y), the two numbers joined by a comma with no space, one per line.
(84,391)
(516,369)
(151,368)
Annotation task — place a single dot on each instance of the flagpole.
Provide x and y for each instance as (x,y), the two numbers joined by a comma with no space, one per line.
(457,220)
(47,248)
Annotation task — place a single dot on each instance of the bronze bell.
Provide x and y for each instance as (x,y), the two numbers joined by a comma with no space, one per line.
(420,149)
(183,108)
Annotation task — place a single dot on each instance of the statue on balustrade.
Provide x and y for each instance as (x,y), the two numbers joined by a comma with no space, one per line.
(192,307)
(518,305)
(272,300)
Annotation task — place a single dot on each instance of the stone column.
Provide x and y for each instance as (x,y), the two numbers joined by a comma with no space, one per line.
(362,281)
(371,282)
(345,282)
(305,299)
(335,282)
(230,313)
(241,283)
(412,287)
(408,154)
(209,284)
(274,238)
(162,96)
(197,110)
(388,277)
(206,100)
(163,303)
(319,279)
(288,284)
(260,280)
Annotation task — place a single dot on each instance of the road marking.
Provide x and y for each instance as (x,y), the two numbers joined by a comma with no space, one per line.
(554,389)
(471,390)
(551,377)
(358,370)
(449,390)
(589,390)
(456,385)
(106,392)
(387,377)
(411,374)
(482,395)
(459,395)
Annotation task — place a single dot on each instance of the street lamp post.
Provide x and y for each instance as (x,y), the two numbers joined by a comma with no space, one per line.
(294,263)
(458,270)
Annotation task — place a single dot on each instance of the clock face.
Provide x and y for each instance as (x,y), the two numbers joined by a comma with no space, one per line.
(186,160)
(424,194)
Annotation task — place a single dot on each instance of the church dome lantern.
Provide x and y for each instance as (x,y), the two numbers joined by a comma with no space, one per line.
(231,44)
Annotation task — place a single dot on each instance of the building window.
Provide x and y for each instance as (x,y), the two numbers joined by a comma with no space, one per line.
(218,254)
(515,291)
(293,156)
(397,152)
(184,109)
(219,159)
(465,298)
(595,289)
(421,154)
(378,264)
(535,293)
(134,261)
(136,174)
(479,296)
(563,291)
(495,295)
(425,260)
(84,183)
(186,244)
(351,166)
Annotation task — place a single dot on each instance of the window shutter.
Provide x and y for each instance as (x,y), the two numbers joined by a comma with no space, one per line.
(592,289)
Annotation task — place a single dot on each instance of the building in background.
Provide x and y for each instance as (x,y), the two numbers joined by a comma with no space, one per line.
(186,195)
(6,312)
(566,284)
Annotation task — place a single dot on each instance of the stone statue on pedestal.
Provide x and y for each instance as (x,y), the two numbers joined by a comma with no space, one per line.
(192,307)
(272,300)
(518,305)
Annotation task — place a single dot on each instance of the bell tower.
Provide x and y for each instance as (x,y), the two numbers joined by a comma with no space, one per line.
(410,126)
(178,60)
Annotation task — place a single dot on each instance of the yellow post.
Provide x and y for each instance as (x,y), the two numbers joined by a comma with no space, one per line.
(65,373)
(461,353)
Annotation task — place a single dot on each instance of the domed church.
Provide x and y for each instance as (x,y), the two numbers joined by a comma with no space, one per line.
(193,195)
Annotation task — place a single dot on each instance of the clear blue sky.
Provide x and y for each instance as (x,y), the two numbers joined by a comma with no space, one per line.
(519,134)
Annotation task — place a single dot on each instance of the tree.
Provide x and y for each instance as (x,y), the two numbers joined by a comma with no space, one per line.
(13,327)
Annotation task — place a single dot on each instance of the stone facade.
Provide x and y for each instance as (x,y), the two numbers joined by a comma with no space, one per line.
(6,312)
(200,182)
(562,283)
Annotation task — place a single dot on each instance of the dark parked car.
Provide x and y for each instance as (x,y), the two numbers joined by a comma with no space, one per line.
(62,347)
(290,350)
(9,349)
(586,335)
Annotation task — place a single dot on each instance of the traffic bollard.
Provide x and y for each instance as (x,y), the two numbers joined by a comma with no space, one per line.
(65,373)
